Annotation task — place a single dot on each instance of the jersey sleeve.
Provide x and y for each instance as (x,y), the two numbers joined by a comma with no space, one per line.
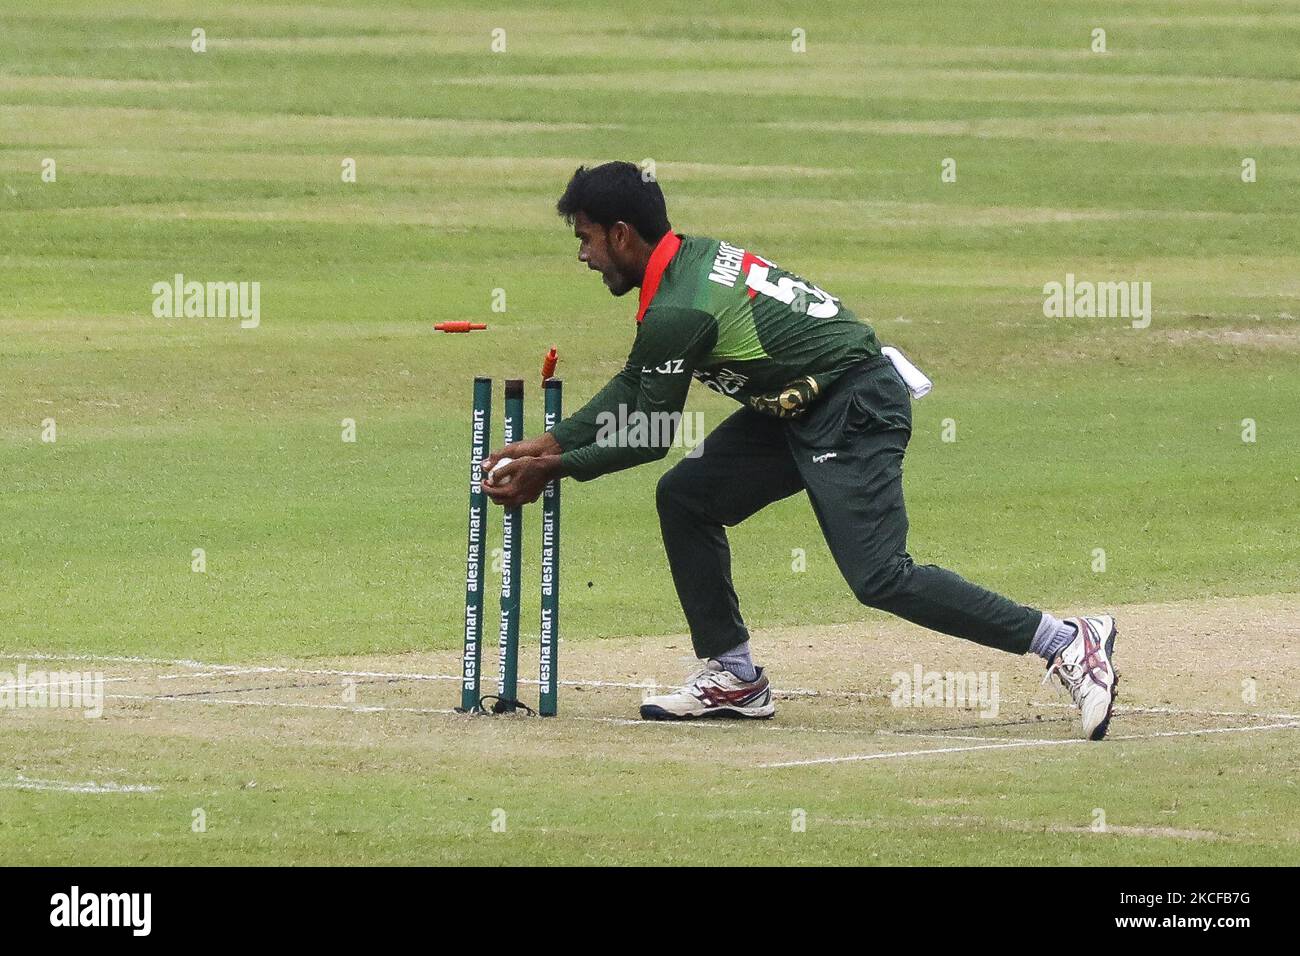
(627,422)
(581,427)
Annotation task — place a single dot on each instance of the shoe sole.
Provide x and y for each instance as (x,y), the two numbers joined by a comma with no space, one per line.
(1099,731)
(655,712)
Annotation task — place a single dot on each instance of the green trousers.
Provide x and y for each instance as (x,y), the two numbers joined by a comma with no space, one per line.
(846,452)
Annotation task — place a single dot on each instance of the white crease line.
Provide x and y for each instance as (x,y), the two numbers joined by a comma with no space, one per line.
(767,727)
(1207,730)
(23,783)
(1002,743)
(204,674)
(1028,743)
(776,692)
(58,686)
(231,670)
(789,692)
(108,659)
(221,670)
(244,702)
(618,721)
(915,753)
(675,724)
(941,736)
(379,709)
(1199,713)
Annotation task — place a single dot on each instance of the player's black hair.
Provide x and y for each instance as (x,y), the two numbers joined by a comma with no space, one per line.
(616,192)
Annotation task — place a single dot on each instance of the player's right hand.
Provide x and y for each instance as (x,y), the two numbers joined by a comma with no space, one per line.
(529,448)
(516,449)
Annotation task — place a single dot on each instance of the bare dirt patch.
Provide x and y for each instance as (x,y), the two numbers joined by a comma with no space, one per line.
(1197,668)
(1286,341)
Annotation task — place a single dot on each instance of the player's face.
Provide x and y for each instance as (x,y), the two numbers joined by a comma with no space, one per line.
(601,249)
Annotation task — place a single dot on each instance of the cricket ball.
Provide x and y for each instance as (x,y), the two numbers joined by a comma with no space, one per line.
(492,475)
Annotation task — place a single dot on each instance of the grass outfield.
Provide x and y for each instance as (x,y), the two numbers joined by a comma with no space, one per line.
(1072,434)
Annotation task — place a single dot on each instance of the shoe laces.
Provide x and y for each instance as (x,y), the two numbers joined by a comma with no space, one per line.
(1071,675)
(696,677)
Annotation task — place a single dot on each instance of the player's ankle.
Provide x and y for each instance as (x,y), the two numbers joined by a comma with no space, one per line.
(739,662)
(1052,637)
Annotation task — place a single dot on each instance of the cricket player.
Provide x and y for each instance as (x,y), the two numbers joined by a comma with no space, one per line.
(823,411)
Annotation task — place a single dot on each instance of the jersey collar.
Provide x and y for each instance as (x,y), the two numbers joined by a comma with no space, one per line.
(663,254)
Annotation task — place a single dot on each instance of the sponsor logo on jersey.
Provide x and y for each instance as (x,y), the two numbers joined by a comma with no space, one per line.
(671,367)
(724,380)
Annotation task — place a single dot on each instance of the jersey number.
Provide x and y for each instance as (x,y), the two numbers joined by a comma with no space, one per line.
(809,299)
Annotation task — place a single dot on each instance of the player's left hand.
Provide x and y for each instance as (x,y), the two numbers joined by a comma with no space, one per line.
(527,480)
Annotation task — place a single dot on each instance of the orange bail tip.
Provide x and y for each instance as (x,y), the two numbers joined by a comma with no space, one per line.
(459,327)
(548,363)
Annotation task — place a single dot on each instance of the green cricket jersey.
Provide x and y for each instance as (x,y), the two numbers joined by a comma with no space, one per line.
(729,318)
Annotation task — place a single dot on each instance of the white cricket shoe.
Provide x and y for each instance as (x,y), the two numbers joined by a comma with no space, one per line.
(1085,668)
(713,691)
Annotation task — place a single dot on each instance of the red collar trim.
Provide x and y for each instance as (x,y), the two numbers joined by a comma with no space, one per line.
(663,254)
